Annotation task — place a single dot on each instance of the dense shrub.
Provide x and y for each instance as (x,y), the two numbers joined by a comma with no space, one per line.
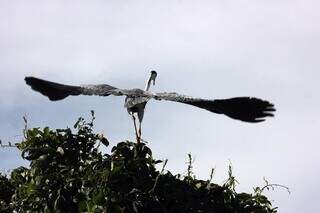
(68,173)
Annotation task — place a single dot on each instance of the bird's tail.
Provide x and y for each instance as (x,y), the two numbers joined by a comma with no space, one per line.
(244,108)
(53,91)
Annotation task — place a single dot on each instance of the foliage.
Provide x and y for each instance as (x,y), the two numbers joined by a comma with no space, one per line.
(6,192)
(68,173)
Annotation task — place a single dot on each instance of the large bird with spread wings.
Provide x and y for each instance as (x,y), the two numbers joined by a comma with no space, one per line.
(248,109)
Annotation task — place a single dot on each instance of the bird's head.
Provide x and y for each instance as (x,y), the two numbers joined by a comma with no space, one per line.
(153,76)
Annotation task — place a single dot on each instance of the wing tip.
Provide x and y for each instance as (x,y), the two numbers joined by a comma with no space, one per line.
(258,120)
(53,91)
(28,79)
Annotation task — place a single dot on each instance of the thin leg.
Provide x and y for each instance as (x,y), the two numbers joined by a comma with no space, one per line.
(140,134)
(140,129)
(135,127)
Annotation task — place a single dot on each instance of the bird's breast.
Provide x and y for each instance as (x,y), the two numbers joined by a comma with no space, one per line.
(135,102)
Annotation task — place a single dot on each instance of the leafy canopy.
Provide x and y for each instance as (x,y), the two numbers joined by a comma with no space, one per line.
(69,173)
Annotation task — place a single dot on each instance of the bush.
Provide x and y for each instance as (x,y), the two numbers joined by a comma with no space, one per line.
(68,173)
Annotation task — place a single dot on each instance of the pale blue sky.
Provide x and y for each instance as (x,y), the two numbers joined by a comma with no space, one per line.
(213,49)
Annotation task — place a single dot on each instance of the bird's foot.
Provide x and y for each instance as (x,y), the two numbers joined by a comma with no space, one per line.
(144,141)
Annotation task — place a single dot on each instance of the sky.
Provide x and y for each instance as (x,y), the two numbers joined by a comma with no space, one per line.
(211,49)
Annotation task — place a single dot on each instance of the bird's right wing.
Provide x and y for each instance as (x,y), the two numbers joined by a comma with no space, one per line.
(55,91)
(247,109)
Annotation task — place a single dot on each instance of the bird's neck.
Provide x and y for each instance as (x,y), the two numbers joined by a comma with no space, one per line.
(148,84)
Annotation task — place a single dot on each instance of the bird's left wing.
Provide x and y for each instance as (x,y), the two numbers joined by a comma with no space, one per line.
(247,109)
(55,91)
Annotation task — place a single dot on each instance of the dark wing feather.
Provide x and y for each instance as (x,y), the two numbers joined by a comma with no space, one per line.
(55,91)
(241,108)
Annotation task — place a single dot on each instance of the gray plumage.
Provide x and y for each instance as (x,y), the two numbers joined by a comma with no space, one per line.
(248,109)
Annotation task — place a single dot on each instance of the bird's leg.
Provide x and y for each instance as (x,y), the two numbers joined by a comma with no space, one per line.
(139,129)
(135,128)
(140,134)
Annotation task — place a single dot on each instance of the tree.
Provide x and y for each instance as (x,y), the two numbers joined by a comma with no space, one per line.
(69,173)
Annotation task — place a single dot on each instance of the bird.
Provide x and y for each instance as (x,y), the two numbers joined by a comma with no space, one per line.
(246,109)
